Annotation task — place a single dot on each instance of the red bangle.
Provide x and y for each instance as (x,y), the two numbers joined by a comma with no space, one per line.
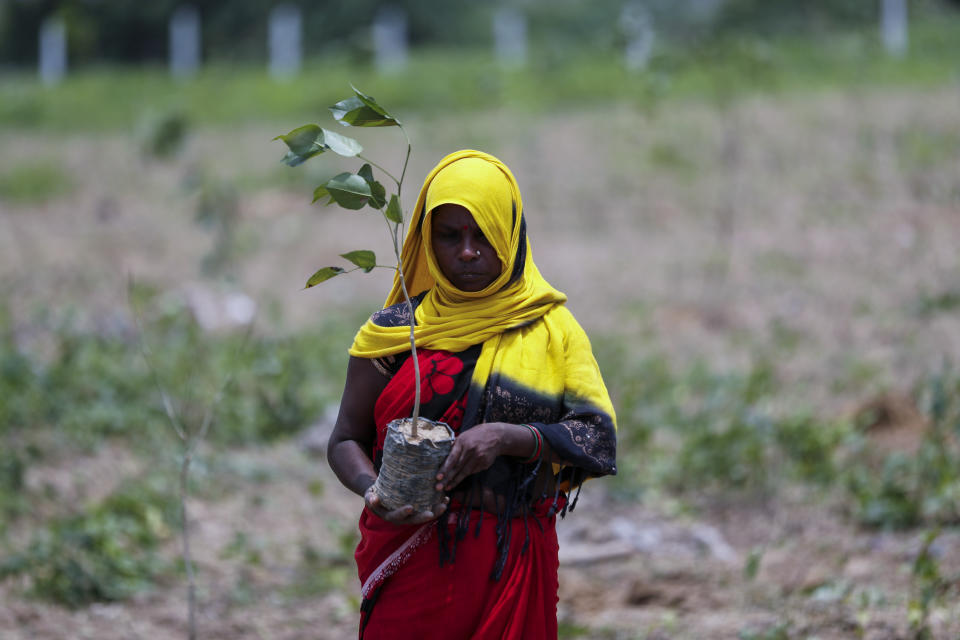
(539,448)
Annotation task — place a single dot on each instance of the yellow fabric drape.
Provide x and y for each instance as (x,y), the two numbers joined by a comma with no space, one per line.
(449,318)
(534,354)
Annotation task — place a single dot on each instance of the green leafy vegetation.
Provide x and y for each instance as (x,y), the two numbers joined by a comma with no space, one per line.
(72,390)
(913,488)
(929,587)
(34,183)
(91,386)
(779,631)
(699,430)
(107,552)
(162,135)
(321,572)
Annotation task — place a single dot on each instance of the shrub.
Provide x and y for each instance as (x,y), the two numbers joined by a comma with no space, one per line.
(919,487)
(106,553)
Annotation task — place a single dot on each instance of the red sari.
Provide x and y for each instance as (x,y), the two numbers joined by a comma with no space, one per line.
(408,592)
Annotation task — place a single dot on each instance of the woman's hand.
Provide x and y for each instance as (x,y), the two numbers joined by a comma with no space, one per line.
(404,514)
(474,450)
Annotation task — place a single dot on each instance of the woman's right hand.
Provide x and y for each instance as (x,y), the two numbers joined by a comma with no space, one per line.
(404,514)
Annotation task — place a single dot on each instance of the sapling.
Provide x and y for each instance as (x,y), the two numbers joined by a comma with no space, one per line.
(191,437)
(407,475)
(357,190)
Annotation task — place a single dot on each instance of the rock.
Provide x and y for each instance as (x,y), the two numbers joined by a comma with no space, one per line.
(711,538)
(590,553)
(215,310)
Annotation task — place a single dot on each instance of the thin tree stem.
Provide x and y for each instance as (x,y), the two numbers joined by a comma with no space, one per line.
(389,175)
(403,174)
(413,352)
(403,284)
(185,538)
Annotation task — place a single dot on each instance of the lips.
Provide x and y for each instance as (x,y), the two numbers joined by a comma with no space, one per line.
(471,281)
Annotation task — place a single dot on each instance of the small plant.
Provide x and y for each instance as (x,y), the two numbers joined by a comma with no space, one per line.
(107,553)
(218,210)
(928,588)
(919,487)
(191,428)
(162,134)
(410,459)
(34,183)
(779,631)
(357,190)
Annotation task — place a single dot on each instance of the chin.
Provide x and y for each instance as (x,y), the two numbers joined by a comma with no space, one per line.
(472,286)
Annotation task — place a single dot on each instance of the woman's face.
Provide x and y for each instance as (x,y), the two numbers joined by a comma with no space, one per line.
(462,251)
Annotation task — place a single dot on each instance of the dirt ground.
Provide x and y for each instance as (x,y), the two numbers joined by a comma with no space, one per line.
(823,229)
(628,570)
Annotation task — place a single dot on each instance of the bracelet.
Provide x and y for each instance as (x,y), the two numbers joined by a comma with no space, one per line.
(539,448)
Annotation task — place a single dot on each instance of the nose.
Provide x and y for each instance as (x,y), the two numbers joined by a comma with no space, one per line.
(468,250)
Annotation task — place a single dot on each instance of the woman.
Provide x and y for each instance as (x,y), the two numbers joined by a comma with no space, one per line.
(506,365)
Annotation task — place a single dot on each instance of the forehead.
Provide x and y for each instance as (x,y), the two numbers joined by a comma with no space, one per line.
(452,215)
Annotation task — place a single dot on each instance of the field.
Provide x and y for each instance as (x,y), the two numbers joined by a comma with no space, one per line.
(770,279)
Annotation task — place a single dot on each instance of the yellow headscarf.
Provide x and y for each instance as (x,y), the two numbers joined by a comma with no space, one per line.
(534,352)
(450,318)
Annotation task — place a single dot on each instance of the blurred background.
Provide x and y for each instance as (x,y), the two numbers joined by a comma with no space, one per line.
(754,206)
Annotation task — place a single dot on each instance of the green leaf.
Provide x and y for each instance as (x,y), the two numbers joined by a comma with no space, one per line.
(350,191)
(370,102)
(378,194)
(304,143)
(341,144)
(323,275)
(364,259)
(394,213)
(321,192)
(354,112)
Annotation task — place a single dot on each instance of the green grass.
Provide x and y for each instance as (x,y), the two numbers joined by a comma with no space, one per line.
(89,387)
(463,81)
(34,183)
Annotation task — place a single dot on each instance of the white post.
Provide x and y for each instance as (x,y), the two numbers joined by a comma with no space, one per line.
(637,25)
(52,51)
(510,37)
(184,41)
(284,42)
(390,39)
(893,26)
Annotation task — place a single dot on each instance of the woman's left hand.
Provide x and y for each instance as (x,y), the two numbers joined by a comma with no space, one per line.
(474,450)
